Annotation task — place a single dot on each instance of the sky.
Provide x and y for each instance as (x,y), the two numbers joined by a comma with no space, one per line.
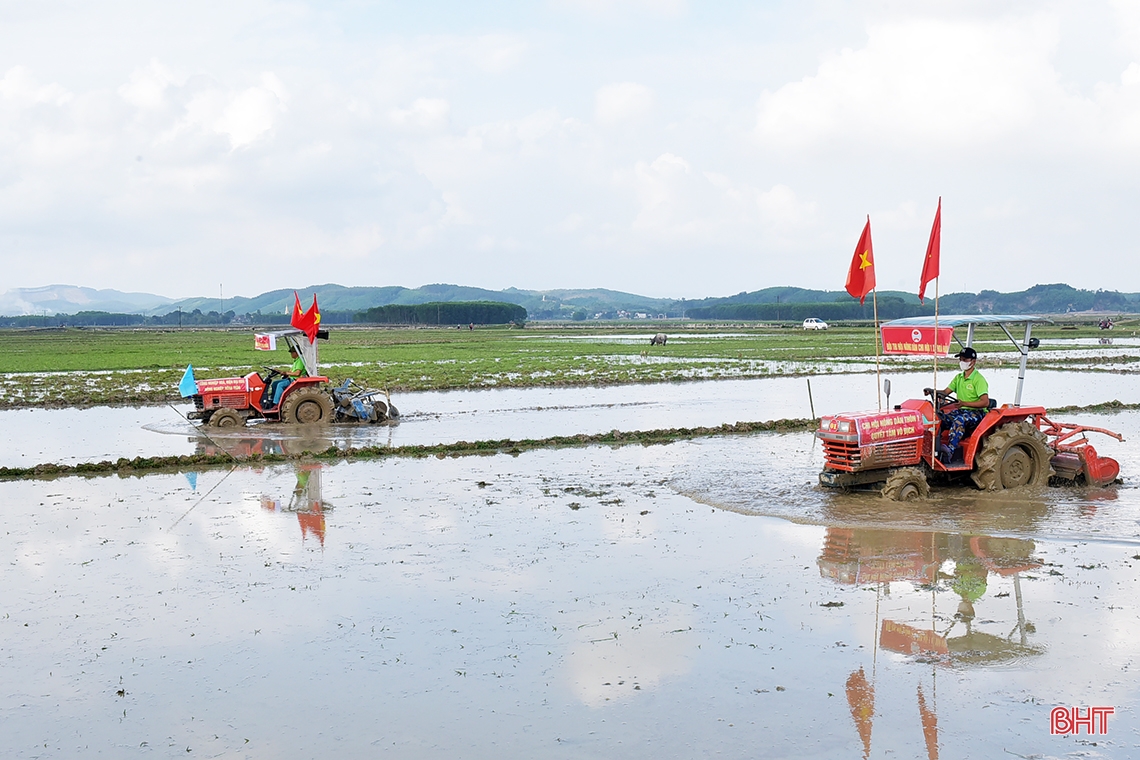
(662,147)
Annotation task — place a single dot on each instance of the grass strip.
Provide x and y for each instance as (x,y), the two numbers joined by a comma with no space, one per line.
(1107,406)
(142,465)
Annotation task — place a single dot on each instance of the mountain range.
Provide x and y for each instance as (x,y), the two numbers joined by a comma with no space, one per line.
(544,304)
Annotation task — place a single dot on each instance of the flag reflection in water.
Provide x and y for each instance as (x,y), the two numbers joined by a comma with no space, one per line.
(306,502)
(960,567)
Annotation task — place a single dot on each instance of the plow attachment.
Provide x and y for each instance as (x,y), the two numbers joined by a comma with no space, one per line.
(355,404)
(1075,457)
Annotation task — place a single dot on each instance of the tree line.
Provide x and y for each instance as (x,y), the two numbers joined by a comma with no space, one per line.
(459,312)
(445,313)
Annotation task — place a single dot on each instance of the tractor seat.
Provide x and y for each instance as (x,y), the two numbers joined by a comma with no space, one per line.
(993,403)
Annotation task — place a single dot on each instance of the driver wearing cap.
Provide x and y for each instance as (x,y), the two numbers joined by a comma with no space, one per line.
(973,394)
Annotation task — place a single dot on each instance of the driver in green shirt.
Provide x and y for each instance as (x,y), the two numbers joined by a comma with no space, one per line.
(973,394)
(296,370)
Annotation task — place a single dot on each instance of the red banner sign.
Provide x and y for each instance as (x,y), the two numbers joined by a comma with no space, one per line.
(917,340)
(264,342)
(905,425)
(222,385)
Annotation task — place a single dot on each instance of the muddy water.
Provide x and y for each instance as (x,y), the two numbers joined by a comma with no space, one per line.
(633,602)
(69,436)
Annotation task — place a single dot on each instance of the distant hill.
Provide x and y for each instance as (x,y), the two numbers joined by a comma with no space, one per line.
(544,304)
(341,302)
(837,304)
(69,299)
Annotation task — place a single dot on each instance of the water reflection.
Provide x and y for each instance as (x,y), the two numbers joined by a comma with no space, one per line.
(962,509)
(960,568)
(306,500)
(253,445)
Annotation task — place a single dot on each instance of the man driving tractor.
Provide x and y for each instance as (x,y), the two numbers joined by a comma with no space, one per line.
(278,385)
(973,392)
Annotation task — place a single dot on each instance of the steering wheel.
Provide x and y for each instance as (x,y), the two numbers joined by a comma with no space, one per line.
(271,372)
(943,396)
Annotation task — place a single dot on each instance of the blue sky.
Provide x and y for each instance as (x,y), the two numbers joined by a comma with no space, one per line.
(664,147)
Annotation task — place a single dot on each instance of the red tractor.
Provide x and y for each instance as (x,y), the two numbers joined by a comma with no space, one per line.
(1013,445)
(232,401)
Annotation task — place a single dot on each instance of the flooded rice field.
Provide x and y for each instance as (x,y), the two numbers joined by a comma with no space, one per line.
(701,598)
(69,436)
(578,603)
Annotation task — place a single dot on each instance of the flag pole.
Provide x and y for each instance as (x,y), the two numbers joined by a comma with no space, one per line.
(935,442)
(936,333)
(878,340)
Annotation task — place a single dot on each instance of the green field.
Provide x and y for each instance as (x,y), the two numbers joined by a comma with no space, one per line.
(82,367)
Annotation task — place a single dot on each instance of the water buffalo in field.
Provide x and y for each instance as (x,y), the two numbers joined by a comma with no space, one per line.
(658,339)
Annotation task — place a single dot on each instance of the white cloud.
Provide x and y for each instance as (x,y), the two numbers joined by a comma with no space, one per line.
(622,101)
(410,141)
(243,116)
(922,82)
(782,210)
(20,89)
(497,53)
(147,88)
(423,114)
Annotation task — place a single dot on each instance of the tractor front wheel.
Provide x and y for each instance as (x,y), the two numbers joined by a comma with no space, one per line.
(224,418)
(306,406)
(906,484)
(1016,454)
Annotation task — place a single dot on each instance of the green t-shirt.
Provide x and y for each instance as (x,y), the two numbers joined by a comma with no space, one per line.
(299,367)
(971,388)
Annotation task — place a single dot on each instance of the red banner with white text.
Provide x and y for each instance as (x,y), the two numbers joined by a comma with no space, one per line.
(917,340)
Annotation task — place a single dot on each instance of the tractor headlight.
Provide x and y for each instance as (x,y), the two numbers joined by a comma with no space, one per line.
(845,426)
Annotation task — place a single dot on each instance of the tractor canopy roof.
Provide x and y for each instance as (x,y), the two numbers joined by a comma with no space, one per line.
(957,320)
(931,336)
(295,339)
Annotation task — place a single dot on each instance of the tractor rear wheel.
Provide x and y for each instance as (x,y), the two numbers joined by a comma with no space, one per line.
(906,484)
(1016,454)
(306,406)
(224,418)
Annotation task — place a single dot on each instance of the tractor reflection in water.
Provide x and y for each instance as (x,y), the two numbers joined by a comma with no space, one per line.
(306,502)
(932,563)
(252,447)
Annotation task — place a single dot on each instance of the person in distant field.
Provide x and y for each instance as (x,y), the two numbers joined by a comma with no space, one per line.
(297,369)
(973,394)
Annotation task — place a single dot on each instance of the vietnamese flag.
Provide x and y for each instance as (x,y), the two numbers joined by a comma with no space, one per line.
(313,320)
(297,314)
(310,321)
(861,275)
(933,253)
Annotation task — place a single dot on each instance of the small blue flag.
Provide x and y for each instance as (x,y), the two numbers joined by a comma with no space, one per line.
(192,479)
(188,387)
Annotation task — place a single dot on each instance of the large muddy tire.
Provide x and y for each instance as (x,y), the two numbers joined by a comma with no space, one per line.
(906,484)
(224,418)
(1016,454)
(306,406)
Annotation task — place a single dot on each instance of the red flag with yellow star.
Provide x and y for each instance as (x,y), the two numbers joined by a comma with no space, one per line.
(861,275)
(310,321)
